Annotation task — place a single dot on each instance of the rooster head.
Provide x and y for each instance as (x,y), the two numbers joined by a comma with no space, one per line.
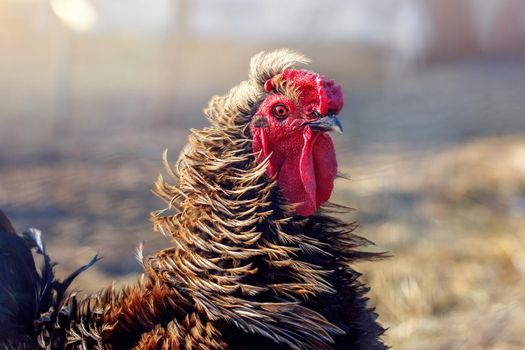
(290,129)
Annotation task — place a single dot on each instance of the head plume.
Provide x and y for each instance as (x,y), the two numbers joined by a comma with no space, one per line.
(266,65)
(236,107)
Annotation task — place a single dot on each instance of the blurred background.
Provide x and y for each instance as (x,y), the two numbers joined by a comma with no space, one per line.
(94,90)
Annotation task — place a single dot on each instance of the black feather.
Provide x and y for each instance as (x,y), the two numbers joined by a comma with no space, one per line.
(29,301)
(19,283)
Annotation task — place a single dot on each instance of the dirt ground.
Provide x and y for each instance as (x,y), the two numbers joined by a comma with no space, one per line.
(435,157)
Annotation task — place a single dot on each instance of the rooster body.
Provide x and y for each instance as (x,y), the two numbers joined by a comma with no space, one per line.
(254,263)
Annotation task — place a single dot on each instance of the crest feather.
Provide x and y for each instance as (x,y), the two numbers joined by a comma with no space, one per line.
(234,109)
(266,65)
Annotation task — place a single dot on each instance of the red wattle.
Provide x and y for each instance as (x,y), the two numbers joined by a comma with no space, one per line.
(317,170)
(306,175)
(325,168)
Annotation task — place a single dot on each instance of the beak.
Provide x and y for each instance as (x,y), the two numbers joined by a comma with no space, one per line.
(328,123)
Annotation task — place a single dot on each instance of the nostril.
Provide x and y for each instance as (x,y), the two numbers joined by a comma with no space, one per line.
(316,114)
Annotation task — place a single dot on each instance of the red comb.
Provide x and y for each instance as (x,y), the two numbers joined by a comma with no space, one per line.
(317,92)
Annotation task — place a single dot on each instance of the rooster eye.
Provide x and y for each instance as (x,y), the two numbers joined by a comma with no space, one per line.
(280,111)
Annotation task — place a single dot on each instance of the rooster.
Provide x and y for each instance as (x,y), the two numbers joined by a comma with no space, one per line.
(257,260)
